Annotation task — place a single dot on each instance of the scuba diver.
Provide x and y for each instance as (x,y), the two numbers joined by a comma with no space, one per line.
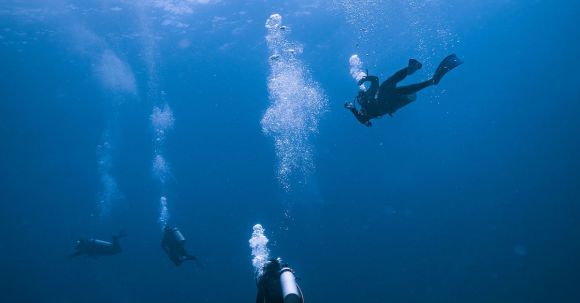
(277,284)
(388,98)
(173,243)
(95,248)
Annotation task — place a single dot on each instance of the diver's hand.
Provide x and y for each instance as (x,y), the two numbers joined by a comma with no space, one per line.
(349,105)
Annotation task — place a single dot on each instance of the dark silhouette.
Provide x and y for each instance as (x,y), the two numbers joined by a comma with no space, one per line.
(95,248)
(173,243)
(388,98)
(277,284)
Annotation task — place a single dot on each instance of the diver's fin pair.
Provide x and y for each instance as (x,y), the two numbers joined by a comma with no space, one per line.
(450,62)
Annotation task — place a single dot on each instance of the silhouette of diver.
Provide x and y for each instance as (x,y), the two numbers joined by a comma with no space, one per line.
(388,98)
(277,284)
(173,243)
(95,248)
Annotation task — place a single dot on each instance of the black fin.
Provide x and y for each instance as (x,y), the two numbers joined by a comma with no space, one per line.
(450,62)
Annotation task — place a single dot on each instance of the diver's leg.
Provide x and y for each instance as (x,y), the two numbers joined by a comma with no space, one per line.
(391,82)
(413,88)
(397,77)
(389,86)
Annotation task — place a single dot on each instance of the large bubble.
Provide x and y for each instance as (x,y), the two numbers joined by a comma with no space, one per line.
(259,245)
(356,70)
(296,103)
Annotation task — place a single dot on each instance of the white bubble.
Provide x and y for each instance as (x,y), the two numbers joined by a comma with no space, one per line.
(259,245)
(296,103)
(356,70)
(274,22)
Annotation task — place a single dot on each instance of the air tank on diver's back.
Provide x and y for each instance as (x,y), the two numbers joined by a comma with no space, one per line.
(290,290)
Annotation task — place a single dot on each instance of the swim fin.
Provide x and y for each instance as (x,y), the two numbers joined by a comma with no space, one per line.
(413,66)
(450,62)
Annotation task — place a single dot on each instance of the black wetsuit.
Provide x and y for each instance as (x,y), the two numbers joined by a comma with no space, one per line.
(386,98)
(269,288)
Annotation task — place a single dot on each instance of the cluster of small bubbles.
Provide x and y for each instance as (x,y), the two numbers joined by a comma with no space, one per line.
(259,245)
(109,189)
(161,120)
(160,168)
(432,33)
(296,105)
(163,212)
(363,15)
(109,192)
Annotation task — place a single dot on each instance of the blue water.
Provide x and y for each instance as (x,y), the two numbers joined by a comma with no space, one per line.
(470,194)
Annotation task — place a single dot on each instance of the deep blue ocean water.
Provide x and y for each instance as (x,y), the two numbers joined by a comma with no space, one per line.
(469,194)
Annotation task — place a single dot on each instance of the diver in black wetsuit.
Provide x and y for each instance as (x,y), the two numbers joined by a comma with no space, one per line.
(173,243)
(277,284)
(95,248)
(388,98)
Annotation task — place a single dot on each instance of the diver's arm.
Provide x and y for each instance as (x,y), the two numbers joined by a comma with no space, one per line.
(75,254)
(360,117)
(374,80)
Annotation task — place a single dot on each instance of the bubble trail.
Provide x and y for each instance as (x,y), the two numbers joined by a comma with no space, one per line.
(161,117)
(296,103)
(259,245)
(117,78)
(161,120)
(109,190)
(164,212)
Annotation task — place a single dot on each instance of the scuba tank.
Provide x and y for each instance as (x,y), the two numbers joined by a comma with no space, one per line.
(177,236)
(290,290)
(101,244)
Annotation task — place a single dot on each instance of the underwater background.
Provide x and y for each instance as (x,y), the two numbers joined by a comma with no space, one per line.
(129,115)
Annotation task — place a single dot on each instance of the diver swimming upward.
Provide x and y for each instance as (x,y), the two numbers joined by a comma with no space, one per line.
(387,98)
